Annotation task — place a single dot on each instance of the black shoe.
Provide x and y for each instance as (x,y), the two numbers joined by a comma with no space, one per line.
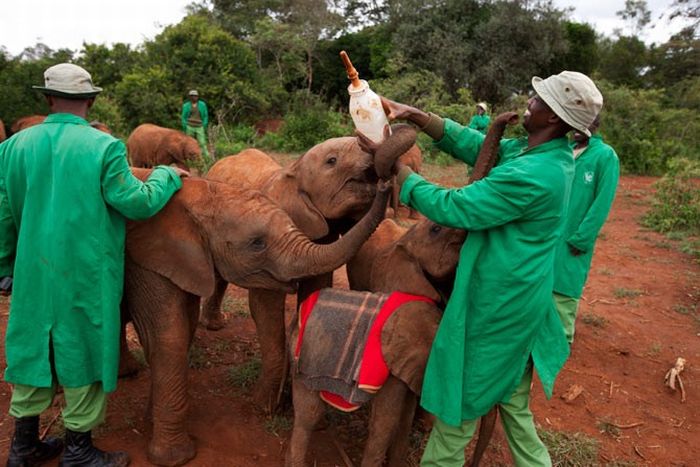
(80,452)
(27,450)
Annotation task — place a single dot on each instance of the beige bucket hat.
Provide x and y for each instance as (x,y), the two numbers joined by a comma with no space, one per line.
(483,105)
(572,96)
(68,80)
(193,93)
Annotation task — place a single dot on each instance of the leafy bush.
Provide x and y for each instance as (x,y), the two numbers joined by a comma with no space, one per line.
(106,110)
(676,205)
(310,121)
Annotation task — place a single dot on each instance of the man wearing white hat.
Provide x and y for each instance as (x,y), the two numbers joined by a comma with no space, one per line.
(480,121)
(501,320)
(195,118)
(65,192)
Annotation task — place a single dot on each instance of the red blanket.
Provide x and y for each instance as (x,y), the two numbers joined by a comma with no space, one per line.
(342,358)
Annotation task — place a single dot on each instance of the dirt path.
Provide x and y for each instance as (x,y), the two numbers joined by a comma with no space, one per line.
(641,310)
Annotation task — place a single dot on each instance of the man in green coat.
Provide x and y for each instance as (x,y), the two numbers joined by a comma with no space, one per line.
(592,194)
(65,191)
(195,118)
(480,121)
(501,319)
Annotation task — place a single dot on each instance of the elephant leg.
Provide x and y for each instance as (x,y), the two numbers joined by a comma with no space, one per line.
(267,310)
(212,316)
(164,316)
(308,411)
(387,420)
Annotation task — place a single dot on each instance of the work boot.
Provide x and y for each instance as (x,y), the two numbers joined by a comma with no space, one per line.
(27,449)
(80,452)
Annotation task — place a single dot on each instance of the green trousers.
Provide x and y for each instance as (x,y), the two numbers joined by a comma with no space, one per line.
(567,308)
(85,406)
(200,134)
(446,444)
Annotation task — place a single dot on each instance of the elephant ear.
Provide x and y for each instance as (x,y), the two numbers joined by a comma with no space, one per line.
(407,338)
(396,269)
(171,243)
(284,190)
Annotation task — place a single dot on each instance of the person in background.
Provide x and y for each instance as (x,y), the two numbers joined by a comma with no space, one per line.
(195,119)
(597,170)
(65,192)
(500,322)
(480,121)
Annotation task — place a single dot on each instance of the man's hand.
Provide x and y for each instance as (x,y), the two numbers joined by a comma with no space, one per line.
(6,286)
(182,173)
(395,110)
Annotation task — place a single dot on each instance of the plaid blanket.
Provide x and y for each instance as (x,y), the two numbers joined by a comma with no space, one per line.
(338,350)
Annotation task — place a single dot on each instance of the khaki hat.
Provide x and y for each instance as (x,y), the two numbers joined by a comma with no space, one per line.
(572,96)
(483,106)
(68,80)
(193,93)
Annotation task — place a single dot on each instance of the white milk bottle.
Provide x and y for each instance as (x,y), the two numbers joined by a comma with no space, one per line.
(365,106)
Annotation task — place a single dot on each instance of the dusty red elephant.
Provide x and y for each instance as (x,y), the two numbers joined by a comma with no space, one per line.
(150,145)
(25,122)
(211,230)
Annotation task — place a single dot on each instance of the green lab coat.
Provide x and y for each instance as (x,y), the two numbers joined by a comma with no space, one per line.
(203,113)
(501,310)
(65,189)
(480,123)
(597,170)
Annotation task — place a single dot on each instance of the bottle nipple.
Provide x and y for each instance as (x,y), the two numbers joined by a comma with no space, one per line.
(353,76)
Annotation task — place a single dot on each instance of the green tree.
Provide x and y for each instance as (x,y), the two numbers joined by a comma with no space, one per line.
(108,65)
(623,61)
(582,49)
(676,60)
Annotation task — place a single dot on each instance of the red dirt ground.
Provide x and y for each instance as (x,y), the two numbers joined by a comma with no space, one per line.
(640,311)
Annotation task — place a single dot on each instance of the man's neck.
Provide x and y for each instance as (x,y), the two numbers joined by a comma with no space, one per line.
(541,137)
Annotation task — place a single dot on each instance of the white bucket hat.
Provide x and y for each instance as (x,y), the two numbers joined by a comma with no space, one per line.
(193,93)
(572,96)
(483,106)
(68,80)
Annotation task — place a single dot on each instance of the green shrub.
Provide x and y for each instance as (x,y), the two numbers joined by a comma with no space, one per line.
(310,121)
(106,110)
(676,205)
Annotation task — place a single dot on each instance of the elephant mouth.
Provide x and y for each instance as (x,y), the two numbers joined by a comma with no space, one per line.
(261,279)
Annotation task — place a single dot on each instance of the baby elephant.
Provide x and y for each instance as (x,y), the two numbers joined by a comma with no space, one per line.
(423,260)
(150,145)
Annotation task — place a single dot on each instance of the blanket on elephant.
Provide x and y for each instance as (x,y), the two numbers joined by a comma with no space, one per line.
(338,350)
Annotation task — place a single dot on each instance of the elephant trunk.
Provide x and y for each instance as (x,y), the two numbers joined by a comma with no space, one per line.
(305,258)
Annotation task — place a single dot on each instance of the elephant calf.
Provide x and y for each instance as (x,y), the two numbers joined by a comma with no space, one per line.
(150,145)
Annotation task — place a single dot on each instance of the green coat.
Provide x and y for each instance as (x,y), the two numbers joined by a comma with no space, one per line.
(203,113)
(65,190)
(597,170)
(501,310)
(480,123)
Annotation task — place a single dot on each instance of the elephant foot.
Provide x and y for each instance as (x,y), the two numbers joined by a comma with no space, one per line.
(128,365)
(171,454)
(216,322)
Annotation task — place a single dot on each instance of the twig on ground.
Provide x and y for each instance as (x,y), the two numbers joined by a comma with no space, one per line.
(48,427)
(624,427)
(639,453)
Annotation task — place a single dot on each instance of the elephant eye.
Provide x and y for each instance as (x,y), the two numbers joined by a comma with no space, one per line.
(258,244)
(331,160)
(435,229)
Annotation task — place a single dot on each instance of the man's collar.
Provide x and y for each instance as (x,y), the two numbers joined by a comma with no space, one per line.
(65,118)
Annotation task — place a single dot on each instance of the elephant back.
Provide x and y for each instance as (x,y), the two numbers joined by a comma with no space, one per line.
(250,168)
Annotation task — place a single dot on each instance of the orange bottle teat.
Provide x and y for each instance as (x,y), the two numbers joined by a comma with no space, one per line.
(353,76)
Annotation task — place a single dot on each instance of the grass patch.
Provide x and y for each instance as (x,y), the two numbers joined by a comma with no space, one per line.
(243,376)
(570,449)
(196,357)
(594,320)
(236,306)
(278,424)
(607,427)
(654,350)
(621,292)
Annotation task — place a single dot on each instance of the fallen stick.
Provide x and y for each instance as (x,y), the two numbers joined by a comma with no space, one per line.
(625,427)
(639,453)
(48,427)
